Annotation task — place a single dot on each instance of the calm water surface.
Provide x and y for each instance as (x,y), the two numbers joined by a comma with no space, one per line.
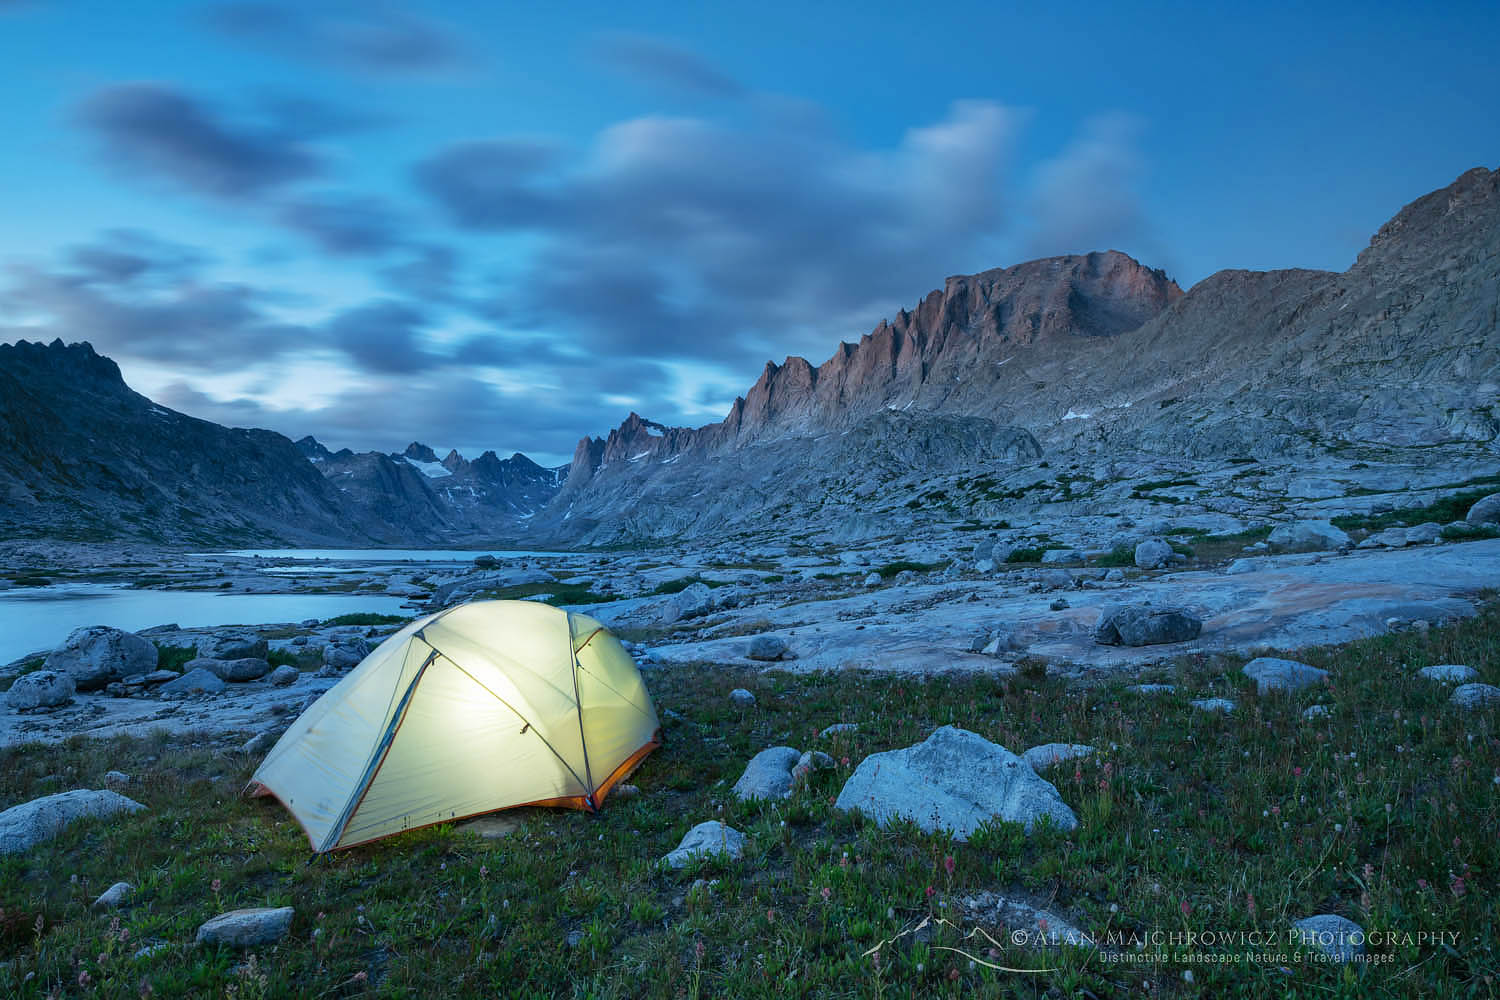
(38,618)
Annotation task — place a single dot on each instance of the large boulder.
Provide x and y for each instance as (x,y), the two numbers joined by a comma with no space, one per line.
(40,689)
(285,676)
(707,840)
(249,928)
(1472,697)
(954,780)
(24,826)
(1308,536)
(1145,625)
(232,647)
(196,681)
(247,668)
(97,654)
(1485,511)
(1153,553)
(1271,674)
(768,775)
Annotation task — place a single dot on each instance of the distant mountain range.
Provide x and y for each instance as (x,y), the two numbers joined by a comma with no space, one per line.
(1093,357)
(84,457)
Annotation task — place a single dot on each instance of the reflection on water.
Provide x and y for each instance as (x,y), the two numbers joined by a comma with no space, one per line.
(388,555)
(38,618)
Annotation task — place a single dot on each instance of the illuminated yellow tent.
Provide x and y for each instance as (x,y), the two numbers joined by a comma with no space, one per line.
(480,707)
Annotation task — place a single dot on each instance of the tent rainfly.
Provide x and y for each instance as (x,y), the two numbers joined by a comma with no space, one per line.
(480,707)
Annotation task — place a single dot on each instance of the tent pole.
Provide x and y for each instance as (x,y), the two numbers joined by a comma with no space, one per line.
(578,702)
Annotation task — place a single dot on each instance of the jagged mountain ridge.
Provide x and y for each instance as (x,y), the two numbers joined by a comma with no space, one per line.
(487,496)
(1101,355)
(1088,296)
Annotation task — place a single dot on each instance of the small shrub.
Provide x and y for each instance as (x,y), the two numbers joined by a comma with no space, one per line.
(365,618)
(173,657)
(902,565)
(1025,556)
(1120,555)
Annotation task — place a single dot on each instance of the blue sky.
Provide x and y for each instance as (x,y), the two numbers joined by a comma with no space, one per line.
(505,226)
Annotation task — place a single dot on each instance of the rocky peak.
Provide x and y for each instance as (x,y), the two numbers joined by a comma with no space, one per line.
(313,449)
(77,362)
(419,452)
(1450,218)
(454,462)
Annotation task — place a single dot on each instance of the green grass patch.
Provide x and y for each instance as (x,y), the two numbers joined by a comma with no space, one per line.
(173,657)
(1382,812)
(1120,555)
(683,583)
(365,618)
(902,565)
(1442,511)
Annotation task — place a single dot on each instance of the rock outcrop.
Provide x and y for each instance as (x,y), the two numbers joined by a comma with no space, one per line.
(954,780)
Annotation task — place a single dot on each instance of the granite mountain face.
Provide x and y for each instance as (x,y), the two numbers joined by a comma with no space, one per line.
(1098,358)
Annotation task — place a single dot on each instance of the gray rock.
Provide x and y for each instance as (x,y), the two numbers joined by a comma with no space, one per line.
(338,658)
(97,654)
(1032,926)
(113,896)
(40,689)
(1449,673)
(707,840)
(1271,674)
(769,647)
(1042,757)
(1308,536)
(248,668)
(232,647)
(810,761)
(1153,553)
(1222,705)
(954,780)
(285,676)
(1485,511)
(1145,625)
(24,826)
(160,677)
(198,681)
(1057,579)
(249,928)
(1114,576)
(768,775)
(694,601)
(1309,488)
(1312,712)
(1424,534)
(1471,697)
(1341,939)
(985,566)
(872,579)
(1154,688)
(1062,556)
(1241,566)
(117,779)
(837,728)
(258,744)
(741,698)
